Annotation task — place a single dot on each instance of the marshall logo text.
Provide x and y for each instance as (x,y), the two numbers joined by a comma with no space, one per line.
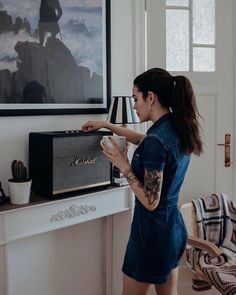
(86,161)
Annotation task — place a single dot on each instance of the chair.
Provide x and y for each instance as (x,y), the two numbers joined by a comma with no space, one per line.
(211,251)
(200,280)
(189,216)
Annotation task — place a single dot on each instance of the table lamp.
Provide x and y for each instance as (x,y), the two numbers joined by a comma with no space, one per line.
(121,112)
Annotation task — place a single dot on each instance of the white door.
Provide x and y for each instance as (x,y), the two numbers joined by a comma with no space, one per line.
(213,90)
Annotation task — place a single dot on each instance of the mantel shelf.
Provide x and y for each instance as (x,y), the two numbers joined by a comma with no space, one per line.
(42,201)
(42,215)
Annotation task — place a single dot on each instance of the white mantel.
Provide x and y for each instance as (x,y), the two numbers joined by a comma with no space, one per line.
(68,246)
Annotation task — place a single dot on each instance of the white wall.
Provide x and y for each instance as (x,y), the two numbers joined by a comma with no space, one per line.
(14,131)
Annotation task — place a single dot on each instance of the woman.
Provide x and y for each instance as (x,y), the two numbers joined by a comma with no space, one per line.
(158,235)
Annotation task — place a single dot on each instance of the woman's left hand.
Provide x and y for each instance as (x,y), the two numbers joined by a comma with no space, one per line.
(117,157)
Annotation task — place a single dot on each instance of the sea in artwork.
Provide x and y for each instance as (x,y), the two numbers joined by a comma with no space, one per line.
(80,29)
(77,48)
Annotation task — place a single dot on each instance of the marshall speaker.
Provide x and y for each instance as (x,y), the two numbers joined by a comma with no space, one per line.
(67,161)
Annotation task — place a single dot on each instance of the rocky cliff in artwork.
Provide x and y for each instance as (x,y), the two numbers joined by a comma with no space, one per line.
(52,71)
(7,24)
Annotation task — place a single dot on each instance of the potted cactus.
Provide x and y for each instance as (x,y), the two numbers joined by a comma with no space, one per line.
(19,184)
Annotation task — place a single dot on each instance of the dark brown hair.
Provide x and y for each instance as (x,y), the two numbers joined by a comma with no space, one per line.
(177,94)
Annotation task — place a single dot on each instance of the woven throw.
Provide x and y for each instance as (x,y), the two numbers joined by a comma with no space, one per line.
(216,220)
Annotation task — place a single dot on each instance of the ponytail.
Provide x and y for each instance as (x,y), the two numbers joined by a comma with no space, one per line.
(186,115)
(175,93)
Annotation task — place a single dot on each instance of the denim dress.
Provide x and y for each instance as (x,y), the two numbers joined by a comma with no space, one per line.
(158,238)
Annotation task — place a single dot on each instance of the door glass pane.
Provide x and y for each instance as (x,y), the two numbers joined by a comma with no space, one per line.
(204,22)
(177,40)
(177,2)
(203,59)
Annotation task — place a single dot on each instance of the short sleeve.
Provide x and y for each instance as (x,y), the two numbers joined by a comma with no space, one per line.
(154,154)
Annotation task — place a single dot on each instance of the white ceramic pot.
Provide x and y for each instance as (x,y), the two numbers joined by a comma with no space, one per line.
(19,192)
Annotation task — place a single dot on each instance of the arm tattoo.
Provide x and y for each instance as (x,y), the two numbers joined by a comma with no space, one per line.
(152,185)
(130,176)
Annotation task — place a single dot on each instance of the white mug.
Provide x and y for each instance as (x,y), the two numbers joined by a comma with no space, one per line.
(120,141)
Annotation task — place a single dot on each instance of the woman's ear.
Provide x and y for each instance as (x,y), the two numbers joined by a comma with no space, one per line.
(151,97)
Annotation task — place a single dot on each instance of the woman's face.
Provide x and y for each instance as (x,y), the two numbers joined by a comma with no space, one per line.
(141,105)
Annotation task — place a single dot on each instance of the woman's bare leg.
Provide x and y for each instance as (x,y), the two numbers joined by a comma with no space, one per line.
(133,287)
(170,287)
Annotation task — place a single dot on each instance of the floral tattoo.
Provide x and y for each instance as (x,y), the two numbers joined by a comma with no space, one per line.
(152,185)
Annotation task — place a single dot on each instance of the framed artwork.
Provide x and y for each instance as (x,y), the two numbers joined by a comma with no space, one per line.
(54,57)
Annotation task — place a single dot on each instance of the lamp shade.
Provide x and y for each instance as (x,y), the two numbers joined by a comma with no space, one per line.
(121,110)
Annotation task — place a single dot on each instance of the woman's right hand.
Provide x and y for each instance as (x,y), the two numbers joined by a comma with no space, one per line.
(93,125)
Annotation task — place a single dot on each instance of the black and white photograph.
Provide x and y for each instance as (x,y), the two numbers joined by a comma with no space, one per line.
(54,56)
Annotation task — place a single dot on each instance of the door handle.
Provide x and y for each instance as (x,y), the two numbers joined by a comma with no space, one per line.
(227,146)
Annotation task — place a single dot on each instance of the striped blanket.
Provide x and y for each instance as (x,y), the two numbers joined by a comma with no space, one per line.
(216,220)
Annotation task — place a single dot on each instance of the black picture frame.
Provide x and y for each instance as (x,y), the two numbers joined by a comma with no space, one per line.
(14,97)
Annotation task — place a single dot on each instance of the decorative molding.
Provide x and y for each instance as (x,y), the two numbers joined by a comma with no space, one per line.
(73,211)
